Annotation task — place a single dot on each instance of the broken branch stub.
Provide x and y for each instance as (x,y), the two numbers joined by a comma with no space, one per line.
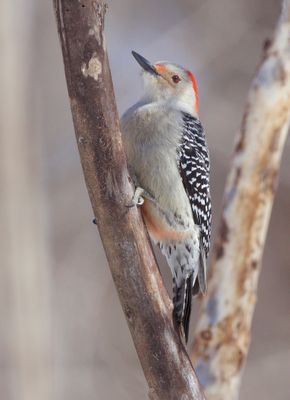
(144,299)
(223,333)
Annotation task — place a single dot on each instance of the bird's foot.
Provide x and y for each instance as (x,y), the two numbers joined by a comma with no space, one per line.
(137,199)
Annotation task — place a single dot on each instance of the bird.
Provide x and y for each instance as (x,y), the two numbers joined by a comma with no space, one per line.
(168,160)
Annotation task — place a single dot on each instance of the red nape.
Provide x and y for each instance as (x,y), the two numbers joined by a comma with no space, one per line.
(194,85)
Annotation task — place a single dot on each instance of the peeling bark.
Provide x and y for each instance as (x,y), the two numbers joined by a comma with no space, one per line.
(223,333)
(144,299)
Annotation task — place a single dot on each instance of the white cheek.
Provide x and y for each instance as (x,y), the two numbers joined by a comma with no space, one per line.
(156,88)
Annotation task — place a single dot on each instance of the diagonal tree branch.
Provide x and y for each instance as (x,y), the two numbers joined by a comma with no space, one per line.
(144,299)
(223,333)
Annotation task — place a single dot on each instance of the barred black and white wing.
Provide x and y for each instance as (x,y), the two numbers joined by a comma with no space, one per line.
(194,167)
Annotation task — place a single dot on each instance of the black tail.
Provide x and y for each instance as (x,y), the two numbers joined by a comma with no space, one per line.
(187,306)
(182,297)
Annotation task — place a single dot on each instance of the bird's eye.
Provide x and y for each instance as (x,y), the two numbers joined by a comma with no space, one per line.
(175,78)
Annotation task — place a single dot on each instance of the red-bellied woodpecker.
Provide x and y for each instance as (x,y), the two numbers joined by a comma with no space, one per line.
(168,159)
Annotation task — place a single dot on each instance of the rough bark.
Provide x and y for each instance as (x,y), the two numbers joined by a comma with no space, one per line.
(223,333)
(144,299)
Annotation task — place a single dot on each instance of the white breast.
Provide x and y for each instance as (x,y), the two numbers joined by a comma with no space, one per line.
(151,138)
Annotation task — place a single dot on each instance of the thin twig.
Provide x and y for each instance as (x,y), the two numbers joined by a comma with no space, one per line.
(223,333)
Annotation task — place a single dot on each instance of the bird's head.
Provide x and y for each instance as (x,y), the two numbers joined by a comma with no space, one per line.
(168,82)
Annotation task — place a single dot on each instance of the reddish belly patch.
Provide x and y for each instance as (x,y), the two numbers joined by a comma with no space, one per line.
(157,226)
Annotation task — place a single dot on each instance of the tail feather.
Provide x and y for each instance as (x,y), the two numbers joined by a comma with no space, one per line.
(188,266)
(182,297)
(187,306)
(201,275)
(200,285)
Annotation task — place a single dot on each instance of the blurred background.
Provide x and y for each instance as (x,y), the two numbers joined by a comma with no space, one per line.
(63,335)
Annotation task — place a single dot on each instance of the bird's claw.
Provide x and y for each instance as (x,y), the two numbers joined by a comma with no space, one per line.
(137,199)
(140,201)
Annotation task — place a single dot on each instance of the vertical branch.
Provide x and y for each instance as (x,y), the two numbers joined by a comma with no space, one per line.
(145,302)
(223,333)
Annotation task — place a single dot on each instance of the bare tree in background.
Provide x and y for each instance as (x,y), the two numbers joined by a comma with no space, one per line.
(223,332)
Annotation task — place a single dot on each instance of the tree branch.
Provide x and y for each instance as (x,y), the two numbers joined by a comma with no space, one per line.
(144,299)
(223,332)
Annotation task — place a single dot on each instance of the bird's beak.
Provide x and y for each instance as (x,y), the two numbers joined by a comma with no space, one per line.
(145,64)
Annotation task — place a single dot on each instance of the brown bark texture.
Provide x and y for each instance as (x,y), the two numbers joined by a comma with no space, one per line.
(223,333)
(144,299)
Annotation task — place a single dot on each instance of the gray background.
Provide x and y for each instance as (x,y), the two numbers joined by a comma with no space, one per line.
(89,352)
